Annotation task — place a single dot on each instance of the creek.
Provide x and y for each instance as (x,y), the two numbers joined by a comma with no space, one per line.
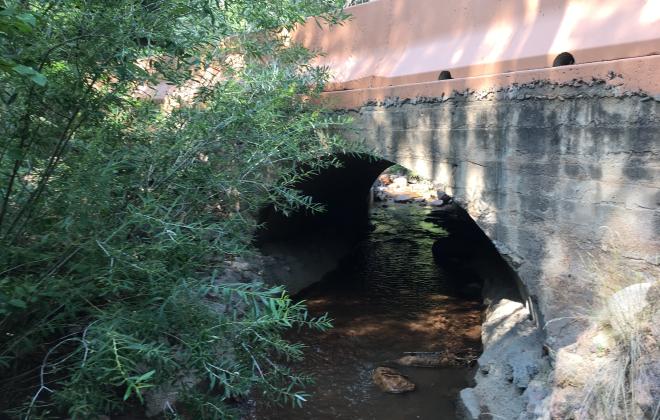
(390,296)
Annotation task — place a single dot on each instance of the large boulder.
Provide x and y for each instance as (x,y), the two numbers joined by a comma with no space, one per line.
(400,182)
(625,305)
(511,361)
(468,405)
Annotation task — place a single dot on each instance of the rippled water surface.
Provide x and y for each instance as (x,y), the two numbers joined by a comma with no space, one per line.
(386,298)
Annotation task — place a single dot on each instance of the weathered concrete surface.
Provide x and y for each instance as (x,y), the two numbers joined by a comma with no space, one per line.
(542,168)
(549,171)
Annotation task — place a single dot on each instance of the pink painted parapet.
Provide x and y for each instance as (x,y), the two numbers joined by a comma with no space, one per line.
(400,42)
(630,75)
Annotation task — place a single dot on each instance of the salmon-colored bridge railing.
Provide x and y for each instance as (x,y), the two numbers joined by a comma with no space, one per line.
(401,42)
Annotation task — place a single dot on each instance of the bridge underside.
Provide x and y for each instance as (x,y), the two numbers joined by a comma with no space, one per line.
(312,244)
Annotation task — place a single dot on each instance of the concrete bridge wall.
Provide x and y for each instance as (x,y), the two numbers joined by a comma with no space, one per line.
(543,168)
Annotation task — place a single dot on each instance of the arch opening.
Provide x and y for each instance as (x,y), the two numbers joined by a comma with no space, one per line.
(316,242)
(403,276)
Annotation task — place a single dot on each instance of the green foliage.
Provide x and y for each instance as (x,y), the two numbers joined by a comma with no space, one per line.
(15,24)
(116,215)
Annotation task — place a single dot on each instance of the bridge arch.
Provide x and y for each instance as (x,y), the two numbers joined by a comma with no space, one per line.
(311,244)
(541,168)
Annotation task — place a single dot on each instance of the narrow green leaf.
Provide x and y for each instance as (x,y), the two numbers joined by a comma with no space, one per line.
(28,19)
(39,79)
(128,392)
(18,303)
(146,376)
(34,75)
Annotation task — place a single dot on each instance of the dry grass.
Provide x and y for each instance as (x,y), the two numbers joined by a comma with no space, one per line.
(624,348)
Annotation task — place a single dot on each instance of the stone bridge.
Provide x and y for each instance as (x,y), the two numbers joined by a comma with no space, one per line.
(549,161)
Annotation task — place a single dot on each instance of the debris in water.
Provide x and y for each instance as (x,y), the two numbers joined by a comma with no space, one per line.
(423,359)
(392,381)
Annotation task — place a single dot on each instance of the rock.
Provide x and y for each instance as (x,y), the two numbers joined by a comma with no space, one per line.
(403,198)
(230,276)
(385,179)
(239,265)
(596,358)
(424,359)
(437,203)
(484,369)
(468,404)
(625,304)
(647,387)
(391,381)
(446,198)
(400,182)
(537,401)
(513,353)
(569,368)
(162,398)
(563,403)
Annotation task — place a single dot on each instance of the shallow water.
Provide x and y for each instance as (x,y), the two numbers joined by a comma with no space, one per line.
(387,297)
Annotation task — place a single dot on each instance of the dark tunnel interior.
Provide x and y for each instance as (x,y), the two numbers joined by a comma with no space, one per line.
(310,245)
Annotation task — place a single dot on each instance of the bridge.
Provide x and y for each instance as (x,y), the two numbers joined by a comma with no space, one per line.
(549,153)
(541,118)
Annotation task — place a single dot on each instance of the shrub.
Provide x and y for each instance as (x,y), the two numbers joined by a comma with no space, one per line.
(116,215)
